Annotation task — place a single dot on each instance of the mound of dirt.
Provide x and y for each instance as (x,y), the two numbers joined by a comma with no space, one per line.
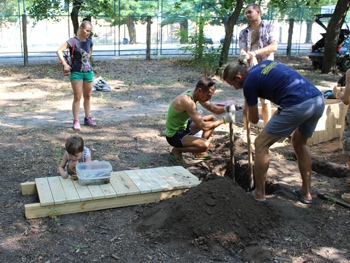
(217,211)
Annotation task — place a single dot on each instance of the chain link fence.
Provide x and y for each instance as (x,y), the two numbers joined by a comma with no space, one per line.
(21,35)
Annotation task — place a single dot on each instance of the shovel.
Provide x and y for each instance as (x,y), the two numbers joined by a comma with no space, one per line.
(250,158)
(232,158)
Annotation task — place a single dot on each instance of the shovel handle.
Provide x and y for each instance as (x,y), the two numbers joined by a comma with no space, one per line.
(333,199)
(232,158)
(250,158)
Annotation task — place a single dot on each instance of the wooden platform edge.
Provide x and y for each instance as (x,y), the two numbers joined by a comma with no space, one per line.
(36,211)
(28,188)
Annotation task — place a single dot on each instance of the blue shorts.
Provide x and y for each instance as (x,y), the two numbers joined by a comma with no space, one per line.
(84,76)
(303,116)
(176,140)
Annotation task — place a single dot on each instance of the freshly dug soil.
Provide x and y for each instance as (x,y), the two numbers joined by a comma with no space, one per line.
(217,221)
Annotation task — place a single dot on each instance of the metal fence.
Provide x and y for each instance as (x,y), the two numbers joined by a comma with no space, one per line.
(44,37)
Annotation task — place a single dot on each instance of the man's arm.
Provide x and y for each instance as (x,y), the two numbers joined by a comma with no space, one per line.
(212,108)
(344,96)
(253,114)
(190,107)
(271,48)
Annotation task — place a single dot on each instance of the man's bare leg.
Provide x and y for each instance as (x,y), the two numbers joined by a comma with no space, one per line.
(304,163)
(261,163)
(192,145)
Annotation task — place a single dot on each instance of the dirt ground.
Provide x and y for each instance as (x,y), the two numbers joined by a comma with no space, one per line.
(213,222)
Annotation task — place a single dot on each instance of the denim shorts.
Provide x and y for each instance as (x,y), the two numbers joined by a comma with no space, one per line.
(84,76)
(303,116)
(176,140)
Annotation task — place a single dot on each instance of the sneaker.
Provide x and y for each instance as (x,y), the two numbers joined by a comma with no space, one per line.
(89,122)
(76,125)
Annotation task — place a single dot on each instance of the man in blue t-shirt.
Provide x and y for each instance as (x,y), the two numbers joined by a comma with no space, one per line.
(300,105)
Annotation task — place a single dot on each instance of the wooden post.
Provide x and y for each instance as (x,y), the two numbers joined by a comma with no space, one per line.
(148,38)
(25,45)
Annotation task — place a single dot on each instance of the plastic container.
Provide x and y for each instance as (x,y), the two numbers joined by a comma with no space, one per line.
(94,173)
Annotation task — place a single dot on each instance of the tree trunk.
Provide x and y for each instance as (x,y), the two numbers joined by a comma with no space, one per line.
(228,35)
(200,48)
(308,31)
(74,15)
(224,21)
(131,28)
(290,36)
(332,35)
(184,31)
(148,38)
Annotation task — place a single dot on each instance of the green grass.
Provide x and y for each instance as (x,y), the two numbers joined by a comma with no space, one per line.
(27,108)
(143,162)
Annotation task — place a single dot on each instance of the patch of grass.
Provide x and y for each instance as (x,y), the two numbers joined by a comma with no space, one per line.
(153,121)
(26,108)
(49,130)
(50,73)
(78,247)
(44,234)
(56,221)
(143,162)
(153,81)
(57,153)
(53,212)
(331,199)
(101,98)
(166,97)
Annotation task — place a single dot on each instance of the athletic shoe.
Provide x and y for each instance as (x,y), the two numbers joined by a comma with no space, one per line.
(89,122)
(76,125)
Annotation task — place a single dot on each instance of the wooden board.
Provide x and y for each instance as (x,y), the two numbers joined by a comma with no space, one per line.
(128,183)
(144,188)
(69,190)
(96,192)
(159,179)
(108,190)
(132,187)
(57,191)
(42,184)
(118,185)
(36,211)
(149,181)
(83,191)
(169,177)
(331,124)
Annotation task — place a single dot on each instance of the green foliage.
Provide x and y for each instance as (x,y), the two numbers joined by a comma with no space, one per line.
(58,155)
(143,163)
(10,10)
(181,34)
(206,57)
(297,9)
(43,9)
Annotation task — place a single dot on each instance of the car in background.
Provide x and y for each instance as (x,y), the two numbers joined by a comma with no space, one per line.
(208,40)
(223,39)
(317,50)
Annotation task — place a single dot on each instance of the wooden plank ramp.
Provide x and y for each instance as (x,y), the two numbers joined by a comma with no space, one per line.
(58,196)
